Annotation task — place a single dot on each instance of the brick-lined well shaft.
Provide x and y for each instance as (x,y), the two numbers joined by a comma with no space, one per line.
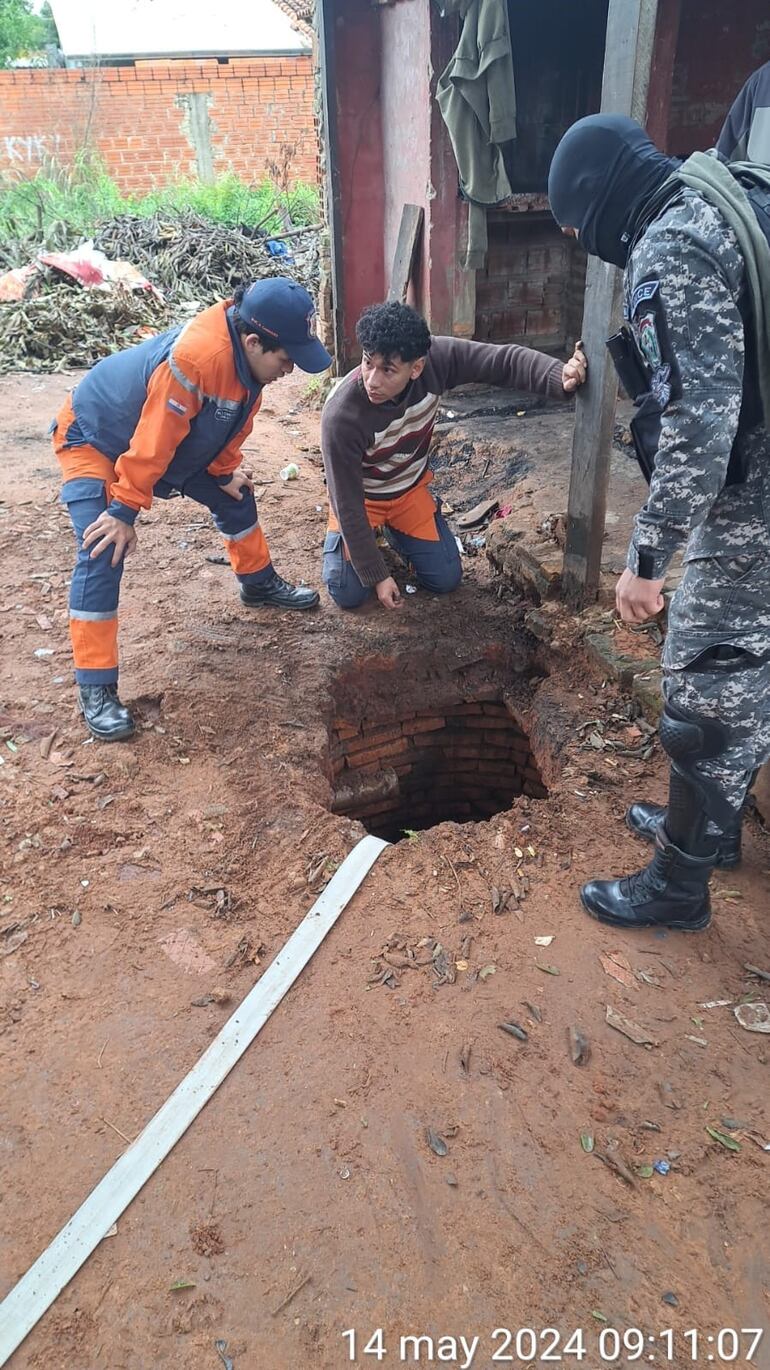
(467,762)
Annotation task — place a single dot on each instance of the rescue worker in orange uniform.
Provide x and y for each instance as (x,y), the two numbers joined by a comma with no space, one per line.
(164,418)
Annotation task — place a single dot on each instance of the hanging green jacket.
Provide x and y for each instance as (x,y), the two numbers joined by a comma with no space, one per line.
(477,99)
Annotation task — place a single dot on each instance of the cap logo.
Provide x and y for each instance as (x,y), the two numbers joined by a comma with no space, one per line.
(263,327)
(310,325)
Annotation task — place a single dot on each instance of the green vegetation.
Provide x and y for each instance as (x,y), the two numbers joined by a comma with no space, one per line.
(60,206)
(229,201)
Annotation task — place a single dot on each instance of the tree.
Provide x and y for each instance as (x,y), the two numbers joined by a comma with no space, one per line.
(22,31)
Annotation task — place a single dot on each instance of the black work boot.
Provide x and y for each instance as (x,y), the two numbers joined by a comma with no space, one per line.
(645,819)
(672,892)
(105,716)
(280,594)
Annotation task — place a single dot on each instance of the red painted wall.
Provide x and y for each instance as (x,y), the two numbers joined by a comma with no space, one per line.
(719,46)
(392,148)
(135,118)
(359,158)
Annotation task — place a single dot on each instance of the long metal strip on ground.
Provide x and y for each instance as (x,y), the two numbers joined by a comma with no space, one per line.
(44,1281)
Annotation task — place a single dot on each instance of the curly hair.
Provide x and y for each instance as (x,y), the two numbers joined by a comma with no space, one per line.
(393,330)
(244,329)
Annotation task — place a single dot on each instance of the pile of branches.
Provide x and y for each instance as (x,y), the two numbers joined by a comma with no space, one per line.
(65,326)
(190,258)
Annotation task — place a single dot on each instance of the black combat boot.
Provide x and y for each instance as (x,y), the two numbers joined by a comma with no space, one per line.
(105,716)
(645,819)
(672,892)
(280,594)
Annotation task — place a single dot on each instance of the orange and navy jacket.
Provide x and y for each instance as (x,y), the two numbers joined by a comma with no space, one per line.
(168,409)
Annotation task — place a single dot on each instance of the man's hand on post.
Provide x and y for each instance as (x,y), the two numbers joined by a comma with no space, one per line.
(638,599)
(107,531)
(238,479)
(389,594)
(575,369)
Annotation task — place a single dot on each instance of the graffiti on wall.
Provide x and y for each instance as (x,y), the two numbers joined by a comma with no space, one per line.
(30,147)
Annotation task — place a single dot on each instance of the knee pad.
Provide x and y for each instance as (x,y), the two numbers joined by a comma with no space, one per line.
(688,737)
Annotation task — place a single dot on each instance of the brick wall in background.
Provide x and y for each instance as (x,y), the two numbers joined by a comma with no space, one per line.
(161,121)
(525,293)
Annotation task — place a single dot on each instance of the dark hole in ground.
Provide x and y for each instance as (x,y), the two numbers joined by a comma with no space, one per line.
(459,763)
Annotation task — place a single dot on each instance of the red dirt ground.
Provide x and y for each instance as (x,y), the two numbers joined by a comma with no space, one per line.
(312,1160)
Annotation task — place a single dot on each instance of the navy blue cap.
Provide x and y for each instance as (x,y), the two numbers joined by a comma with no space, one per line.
(284,311)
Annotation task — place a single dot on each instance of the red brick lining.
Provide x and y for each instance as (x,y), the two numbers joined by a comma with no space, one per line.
(468,761)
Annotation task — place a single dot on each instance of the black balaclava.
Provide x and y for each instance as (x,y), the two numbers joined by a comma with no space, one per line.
(604,175)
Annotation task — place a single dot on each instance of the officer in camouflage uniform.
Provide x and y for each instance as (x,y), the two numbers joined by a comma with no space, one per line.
(686,356)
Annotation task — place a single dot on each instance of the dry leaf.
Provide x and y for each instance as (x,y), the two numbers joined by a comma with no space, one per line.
(579,1047)
(616,1163)
(13,943)
(46,744)
(632,1030)
(60,759)
(614,963)
(436,1143)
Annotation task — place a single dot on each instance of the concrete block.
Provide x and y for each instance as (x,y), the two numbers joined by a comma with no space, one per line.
(615,665)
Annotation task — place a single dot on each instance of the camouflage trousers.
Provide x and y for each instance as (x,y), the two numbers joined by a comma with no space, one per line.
(724,602)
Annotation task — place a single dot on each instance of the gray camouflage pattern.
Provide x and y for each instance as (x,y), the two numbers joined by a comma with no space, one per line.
(724,597)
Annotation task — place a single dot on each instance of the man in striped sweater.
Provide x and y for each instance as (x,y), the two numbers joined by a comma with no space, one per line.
(376,432)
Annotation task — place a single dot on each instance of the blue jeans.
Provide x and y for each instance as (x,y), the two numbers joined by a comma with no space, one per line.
(437,565)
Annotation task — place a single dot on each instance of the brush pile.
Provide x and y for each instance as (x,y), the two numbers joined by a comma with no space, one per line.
(191,258)
(67,326)
(52,319)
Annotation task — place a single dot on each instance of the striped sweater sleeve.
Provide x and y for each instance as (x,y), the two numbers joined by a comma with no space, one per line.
(456,361)
(343,444)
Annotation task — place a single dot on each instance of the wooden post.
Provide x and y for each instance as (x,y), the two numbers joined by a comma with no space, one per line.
(409,232)
(627,64)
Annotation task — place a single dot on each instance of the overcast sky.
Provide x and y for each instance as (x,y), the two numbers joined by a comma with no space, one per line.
(133,27)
